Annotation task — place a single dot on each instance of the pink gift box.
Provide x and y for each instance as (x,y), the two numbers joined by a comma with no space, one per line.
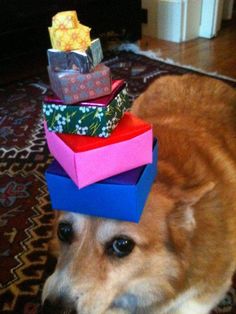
(129,147)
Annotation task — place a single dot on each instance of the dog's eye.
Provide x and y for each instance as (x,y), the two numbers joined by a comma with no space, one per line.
(120,247)
(65,232)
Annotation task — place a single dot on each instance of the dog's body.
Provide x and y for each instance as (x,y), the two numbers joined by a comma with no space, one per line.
(185,244)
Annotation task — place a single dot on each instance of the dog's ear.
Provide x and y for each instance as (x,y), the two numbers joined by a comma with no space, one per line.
(185,201)
(194,195)
(181,221)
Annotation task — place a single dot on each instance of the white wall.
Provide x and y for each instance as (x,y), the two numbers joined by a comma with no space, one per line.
(170,20)
(150,28)
(192,19)
(228,9)
(211,18)
(174,20)
(178,20)
(182,20)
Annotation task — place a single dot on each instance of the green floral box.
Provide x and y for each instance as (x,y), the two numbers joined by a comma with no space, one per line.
(92,120)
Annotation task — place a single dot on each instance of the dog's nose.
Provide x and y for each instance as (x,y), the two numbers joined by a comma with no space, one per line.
(58,306)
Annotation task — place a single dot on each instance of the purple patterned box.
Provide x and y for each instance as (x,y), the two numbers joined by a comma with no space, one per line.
(73,87)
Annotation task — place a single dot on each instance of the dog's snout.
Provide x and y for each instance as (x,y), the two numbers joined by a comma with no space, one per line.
(58,306)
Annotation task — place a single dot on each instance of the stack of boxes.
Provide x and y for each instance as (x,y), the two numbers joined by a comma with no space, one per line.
(105,157)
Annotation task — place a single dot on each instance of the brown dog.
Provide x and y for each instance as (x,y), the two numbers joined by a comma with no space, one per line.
(181,257)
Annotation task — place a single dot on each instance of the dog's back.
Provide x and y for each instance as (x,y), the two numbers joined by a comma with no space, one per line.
(194,118)
(205,103)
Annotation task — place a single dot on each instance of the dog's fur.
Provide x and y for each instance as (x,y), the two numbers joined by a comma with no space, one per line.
(185,252)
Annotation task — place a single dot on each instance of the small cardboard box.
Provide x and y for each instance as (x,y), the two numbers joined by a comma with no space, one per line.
(72,86)
(97,117)
(67,33)
(82,61)
(120,197)
(89,159)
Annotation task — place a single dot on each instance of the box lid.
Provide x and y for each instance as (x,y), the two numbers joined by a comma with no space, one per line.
(129,127)
(116,87)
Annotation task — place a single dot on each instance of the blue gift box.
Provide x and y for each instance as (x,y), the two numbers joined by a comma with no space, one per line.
(119,197)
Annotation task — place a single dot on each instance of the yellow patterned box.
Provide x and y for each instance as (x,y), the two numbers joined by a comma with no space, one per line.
(65,20)
(67,33)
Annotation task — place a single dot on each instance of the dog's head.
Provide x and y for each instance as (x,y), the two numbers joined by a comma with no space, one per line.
(107,266)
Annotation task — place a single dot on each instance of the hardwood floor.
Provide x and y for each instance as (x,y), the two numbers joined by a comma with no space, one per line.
(212,55)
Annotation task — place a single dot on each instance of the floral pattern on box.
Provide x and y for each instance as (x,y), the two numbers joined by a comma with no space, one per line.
(87,120)
(65,20)
(73,87)
(67,33)
(70,39)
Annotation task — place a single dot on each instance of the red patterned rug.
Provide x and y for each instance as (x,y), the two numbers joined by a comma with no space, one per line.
(25,215)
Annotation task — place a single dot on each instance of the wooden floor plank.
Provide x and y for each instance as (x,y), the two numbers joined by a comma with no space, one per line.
(212,55)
